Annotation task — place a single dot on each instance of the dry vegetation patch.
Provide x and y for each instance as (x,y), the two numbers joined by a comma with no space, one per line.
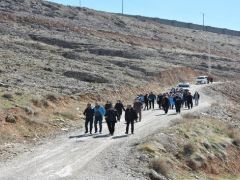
(206,146)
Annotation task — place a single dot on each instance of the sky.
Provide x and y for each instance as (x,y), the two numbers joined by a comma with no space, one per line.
(217,13)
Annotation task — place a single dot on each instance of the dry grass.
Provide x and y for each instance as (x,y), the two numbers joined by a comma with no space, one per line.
(191,116)
(147,147)
(66,115)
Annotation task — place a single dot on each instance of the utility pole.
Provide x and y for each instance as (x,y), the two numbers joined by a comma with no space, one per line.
(80,3)
(203,22)
(209,46)
(122,6)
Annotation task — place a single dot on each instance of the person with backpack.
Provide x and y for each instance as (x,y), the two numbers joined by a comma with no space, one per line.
(146,101)
(196,98)
(89,114)
(119,107)
(99,112)
(137,106)
(152,98)
(130,117)
(111,119)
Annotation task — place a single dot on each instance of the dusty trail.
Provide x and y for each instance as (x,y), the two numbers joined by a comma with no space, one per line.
(75,158)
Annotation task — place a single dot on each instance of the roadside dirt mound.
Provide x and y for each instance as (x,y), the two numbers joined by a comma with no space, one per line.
(179,74)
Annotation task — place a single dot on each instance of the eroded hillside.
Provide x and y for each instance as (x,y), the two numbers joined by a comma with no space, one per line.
(71,50)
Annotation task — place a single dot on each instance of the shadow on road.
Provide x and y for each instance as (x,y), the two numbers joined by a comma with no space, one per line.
(101,136)
(174,114)
(160,114)
(79,136)
(121,136)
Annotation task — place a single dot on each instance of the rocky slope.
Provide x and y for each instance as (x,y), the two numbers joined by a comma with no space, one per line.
(71,50)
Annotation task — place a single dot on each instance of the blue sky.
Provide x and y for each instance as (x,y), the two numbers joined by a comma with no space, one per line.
(218,13)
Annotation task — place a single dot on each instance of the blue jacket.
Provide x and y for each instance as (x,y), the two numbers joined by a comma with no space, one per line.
(101,110)
(171,101)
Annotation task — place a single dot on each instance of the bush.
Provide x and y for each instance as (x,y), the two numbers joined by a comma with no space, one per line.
(160,166)
(7,96)
(11,118)
(189,149)
(236,142)
(52,97)
(39,102)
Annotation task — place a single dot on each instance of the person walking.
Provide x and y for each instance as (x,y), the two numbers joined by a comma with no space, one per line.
(99,112)
(196,98)
(171,101)
(146,101)
(130,117)
(152,98)
(119,107)
(189,98)
(165,103)
(159,100)
(89,114)
(178,103)
(137,106)
(108,105)
(111,119)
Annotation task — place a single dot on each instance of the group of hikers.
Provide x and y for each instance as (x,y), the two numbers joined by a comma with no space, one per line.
(176,98)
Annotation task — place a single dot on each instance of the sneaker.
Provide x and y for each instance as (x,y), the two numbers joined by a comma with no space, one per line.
(126,132)
(86,132)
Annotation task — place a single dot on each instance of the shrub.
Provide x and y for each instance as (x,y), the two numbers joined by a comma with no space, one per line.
(160,166)
(7,96)
(236,141)
(189,149)
(37,101)
(52,97)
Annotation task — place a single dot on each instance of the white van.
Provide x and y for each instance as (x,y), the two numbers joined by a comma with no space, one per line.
(184,86)
(202,80)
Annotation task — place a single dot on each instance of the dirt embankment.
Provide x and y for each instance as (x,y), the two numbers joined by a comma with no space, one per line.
(196,147)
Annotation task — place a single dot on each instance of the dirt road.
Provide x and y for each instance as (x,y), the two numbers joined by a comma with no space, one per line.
(88,157)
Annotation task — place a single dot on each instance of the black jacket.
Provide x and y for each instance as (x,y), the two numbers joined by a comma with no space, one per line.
(130,115)
(119,107)
(89,113)
(178,101)
(165,102)
(108,106)
(111,115)
(189,98)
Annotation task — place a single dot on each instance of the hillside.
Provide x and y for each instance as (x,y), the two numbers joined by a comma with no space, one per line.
(71,50)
